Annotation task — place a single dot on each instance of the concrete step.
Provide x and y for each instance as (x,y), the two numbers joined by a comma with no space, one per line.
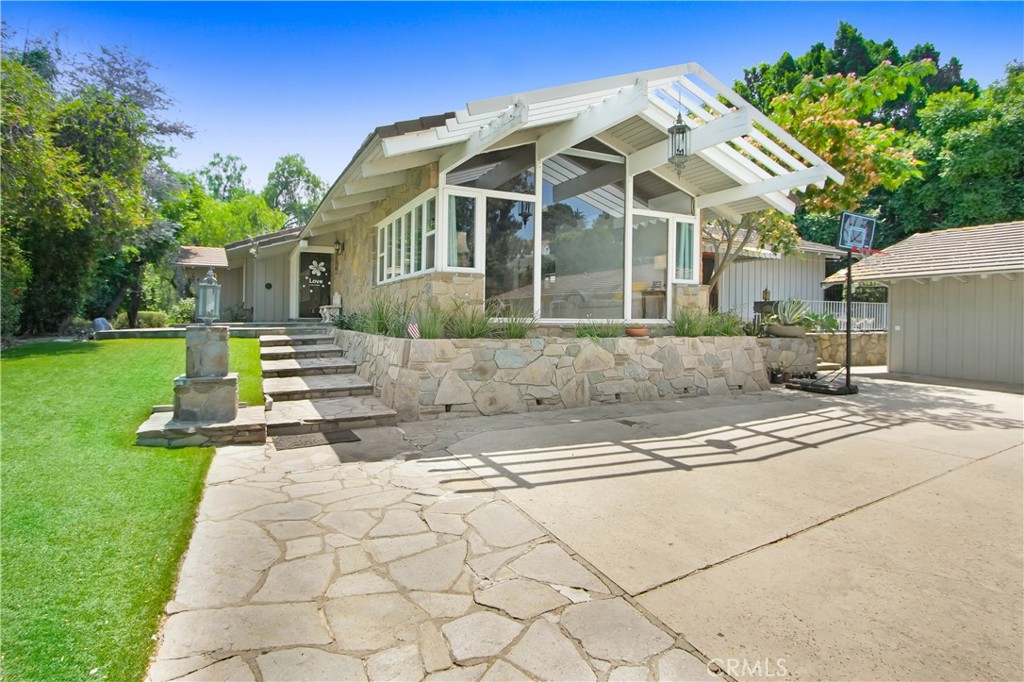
(828,366)
(273,340)
(316,386)
(312,350)
(292,417)
(306,367)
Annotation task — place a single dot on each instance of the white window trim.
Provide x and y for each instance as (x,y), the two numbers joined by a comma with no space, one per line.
(394,248)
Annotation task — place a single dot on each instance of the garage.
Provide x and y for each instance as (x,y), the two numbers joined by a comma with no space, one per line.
(956,300)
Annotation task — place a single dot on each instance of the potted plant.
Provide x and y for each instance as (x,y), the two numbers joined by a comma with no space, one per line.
(789,319)
(637,329)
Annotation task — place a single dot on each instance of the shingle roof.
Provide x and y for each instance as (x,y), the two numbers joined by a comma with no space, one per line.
(201,257)
(959,251)
(267,239)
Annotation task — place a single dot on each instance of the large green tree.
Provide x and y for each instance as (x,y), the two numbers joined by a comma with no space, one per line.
(294,189)
(224,177)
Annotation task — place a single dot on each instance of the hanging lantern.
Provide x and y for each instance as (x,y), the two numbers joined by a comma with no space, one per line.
(678,141)
(208,298)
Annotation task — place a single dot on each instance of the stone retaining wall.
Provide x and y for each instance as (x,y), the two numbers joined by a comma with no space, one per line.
(797,355)
(866,348)
(430,379)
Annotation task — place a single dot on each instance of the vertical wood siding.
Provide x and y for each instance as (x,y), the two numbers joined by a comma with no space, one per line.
(962,330)
(796,276)
(270,305)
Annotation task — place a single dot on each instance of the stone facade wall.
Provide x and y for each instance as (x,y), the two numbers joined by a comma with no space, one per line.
(430,379)
(354,268)
(866,348)
(442,289)
(690,297)
(799,355)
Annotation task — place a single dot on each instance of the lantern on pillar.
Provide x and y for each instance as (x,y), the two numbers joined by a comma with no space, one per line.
(208,298)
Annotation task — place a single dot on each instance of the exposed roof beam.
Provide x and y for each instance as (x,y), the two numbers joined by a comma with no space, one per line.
(398,163)
(676,202)
(376,182)
(344,214)
(500,127)
(596,156)
(627,102)
(599,177)
(356,200)
(731,126)
(759,189)
(506,170)
(1008,275)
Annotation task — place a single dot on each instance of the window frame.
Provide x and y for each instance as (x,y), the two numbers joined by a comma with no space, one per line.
(392,233)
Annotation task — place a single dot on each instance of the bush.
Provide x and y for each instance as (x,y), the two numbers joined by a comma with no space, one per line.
(148,319)
(183,312)
(599,329)
(513,322)
(386,316)
(691,323)
(822,322)
(432,322)
(469,322)
(14,274)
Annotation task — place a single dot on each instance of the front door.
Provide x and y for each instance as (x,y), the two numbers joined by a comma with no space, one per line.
(314,283)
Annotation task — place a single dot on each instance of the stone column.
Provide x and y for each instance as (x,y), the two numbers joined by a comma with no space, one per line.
(206,392)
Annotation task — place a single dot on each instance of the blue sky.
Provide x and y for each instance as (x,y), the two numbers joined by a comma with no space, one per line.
(261,80)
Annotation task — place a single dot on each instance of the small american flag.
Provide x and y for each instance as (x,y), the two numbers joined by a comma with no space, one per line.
(414,328)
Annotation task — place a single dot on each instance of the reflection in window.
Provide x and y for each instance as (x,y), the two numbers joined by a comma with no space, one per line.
(461,232)
(582,231)
(650,267)
(506,170)
(685,256)
(509,281)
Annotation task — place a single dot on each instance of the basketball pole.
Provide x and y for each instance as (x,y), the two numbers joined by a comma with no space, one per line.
(849,317)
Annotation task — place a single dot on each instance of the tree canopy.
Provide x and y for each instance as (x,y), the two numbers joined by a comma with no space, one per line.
(293,189)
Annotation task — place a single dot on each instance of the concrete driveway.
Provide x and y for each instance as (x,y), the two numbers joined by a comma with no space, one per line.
(788,535)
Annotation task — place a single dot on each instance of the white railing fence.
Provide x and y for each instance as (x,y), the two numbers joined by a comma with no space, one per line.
(864,316)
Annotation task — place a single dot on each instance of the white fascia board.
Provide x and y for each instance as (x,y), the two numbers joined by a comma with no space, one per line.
(398,163)
(375,182)
(629,102)
(729,127)
(357,199)
(417,142)
(499,128)
(579,89)
(759,189)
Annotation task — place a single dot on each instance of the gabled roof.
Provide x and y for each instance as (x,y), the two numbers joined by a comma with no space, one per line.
(953,252)
(740,160)
(262,240)
(200,257)
(754,250)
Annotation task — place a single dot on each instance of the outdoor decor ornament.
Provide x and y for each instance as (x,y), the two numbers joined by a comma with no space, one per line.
(208,298)
(679,144)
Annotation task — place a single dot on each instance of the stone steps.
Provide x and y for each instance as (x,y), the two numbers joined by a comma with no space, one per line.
(309,350)
(306,367)
(275,340)
(291,417)
(316,386)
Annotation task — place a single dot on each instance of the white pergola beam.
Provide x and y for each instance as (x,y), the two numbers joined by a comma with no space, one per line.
(729,127)
(375,182)
(499,128)
(762,188)
(399,163)
(356,200)
(599,177)
(626,103)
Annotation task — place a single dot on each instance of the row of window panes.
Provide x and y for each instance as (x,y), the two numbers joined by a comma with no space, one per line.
(405,246)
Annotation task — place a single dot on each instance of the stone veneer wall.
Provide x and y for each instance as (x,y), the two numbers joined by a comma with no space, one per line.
(429,379)
(866,348)
(354,268)
(799,355)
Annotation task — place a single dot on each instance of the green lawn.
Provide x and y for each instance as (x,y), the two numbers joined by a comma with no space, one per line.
(92,526)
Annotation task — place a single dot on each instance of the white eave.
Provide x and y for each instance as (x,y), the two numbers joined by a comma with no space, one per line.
(740,160)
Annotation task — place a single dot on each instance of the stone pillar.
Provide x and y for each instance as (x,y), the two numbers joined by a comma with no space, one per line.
(206,392)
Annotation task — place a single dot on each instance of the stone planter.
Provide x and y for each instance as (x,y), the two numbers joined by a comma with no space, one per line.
(786,331)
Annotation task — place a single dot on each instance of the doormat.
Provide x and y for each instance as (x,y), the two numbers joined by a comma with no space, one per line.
(308,440)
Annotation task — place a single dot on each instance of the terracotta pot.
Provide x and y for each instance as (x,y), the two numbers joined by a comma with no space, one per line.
(637,331)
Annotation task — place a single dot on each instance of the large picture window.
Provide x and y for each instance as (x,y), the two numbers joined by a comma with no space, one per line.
(406,241)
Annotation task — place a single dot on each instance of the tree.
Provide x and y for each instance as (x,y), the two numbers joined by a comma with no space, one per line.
(224,177)
(207,221)
(728,240)
(294,189)
(973,150)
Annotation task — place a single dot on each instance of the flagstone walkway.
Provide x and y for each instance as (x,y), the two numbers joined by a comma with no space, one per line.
(317,564)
